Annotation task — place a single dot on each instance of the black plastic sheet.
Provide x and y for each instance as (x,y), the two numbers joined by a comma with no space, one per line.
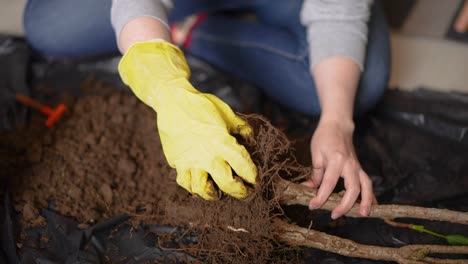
(14,61)
(9,232)
(442,114)
(111,241)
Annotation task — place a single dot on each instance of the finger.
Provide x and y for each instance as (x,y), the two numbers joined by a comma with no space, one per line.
(367,194)
(221,173)
(237,125)
(184,179)
(309,183)
(241,127)
(318,168)
(461,24)
(330,178)
(374,200)
(352,185)
(202,186)
(239,159)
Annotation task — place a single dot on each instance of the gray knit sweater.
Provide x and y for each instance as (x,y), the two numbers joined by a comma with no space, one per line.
(334,27)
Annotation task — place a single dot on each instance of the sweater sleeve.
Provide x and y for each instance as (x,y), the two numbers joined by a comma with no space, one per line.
(336,28)
(123,11)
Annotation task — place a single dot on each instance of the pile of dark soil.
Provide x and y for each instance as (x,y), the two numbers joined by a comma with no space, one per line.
(105,159)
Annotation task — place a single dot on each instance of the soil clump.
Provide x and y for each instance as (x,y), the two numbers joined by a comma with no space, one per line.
(105,159)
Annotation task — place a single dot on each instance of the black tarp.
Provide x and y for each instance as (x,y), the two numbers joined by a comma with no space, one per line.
(14,62)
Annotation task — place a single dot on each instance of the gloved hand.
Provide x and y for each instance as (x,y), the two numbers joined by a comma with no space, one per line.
(195,128)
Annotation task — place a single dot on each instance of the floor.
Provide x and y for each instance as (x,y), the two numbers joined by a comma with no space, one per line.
(431,63)
(421,56)
(11,18)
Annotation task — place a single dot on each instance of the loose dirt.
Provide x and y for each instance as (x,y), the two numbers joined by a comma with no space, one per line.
(104,159)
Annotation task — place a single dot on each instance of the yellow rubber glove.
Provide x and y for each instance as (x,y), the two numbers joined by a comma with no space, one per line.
(195,128)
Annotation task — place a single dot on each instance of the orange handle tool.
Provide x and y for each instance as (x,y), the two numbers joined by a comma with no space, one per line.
(53,114)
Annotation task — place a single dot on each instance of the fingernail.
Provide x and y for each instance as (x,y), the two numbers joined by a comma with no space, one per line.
(312,206)
(365,212)
(334,215)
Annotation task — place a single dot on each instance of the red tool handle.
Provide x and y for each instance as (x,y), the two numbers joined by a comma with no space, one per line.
(28,101)
(53,114)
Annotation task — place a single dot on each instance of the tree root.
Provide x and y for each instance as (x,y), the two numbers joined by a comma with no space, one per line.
(291,193)
(299,236)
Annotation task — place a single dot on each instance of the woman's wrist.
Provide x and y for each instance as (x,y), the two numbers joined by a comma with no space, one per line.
(340,120)
(142,29)
(336,80)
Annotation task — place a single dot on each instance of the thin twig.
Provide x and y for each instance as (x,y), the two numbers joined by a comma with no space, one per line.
(237,229)
(397,224)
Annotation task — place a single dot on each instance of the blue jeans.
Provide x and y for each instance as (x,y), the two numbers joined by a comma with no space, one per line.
(271,52)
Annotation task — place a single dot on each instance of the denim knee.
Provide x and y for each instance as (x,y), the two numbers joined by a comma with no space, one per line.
(69,29)
(32,30)
(377,65)
(42,29)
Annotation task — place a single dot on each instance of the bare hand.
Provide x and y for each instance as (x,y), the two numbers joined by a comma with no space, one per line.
(333,156)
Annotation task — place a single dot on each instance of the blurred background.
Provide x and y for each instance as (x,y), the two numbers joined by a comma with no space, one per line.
(426,51)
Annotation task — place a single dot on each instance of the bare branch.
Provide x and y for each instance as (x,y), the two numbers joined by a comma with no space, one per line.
(411,254)
(292,193)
